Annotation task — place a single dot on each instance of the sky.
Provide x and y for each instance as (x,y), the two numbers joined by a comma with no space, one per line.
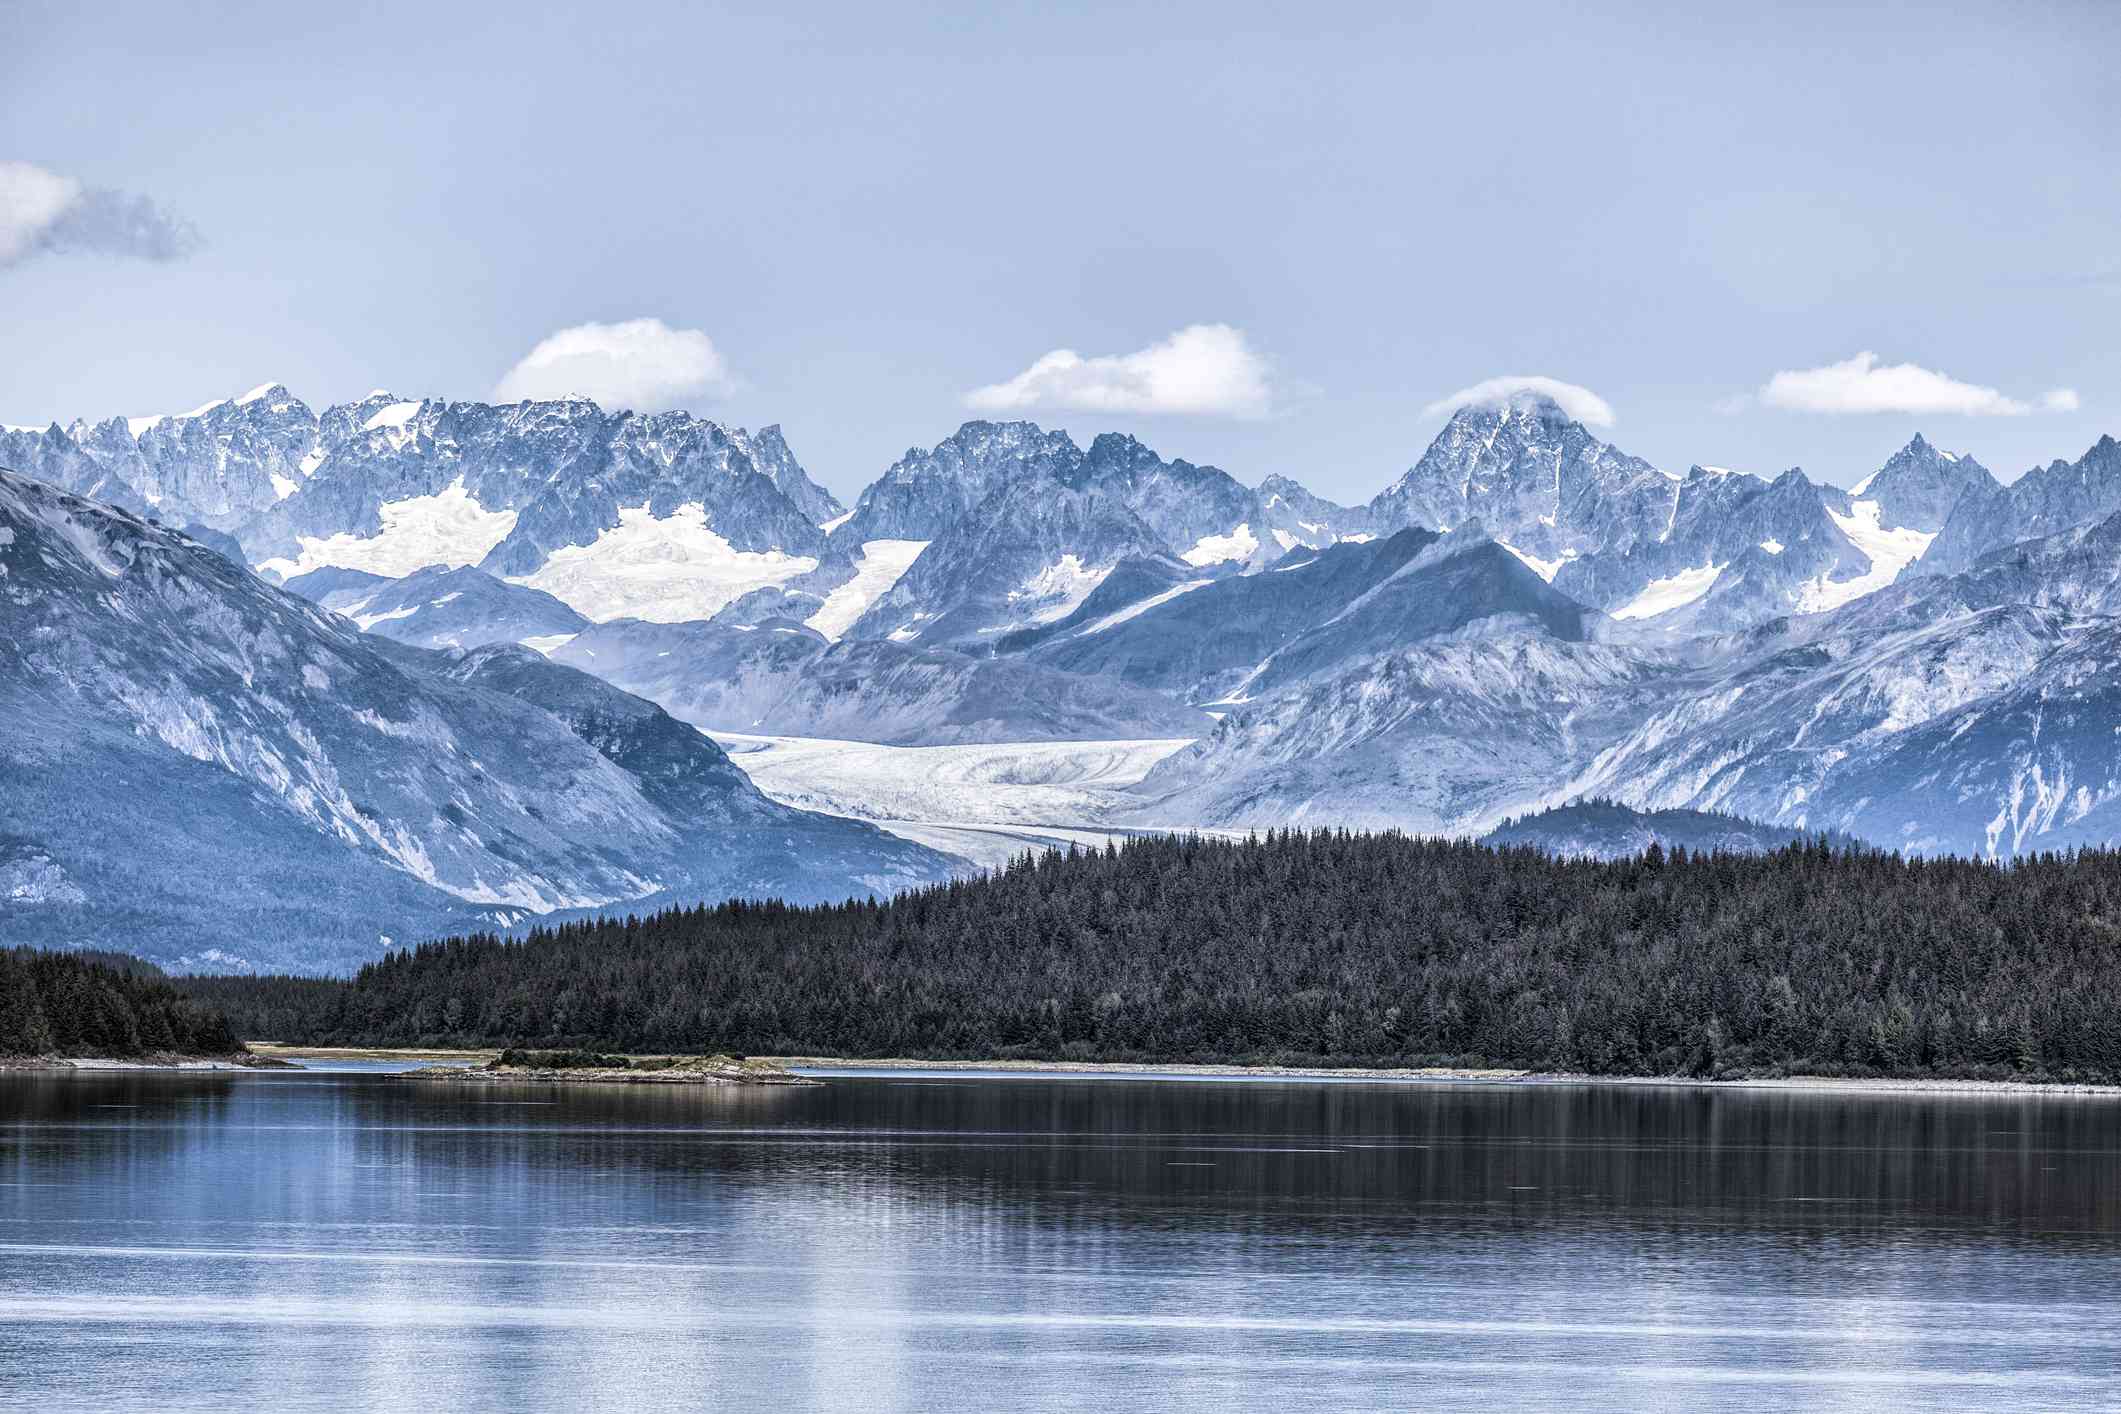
(1271,238)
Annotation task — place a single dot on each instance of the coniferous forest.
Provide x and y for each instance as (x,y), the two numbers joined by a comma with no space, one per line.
(1327,947)
(100,1004)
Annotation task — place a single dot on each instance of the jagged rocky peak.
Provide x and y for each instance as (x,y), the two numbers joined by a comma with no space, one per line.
(2042,502)
(1539,479)
(770,456)
(927,491)
(1920,486)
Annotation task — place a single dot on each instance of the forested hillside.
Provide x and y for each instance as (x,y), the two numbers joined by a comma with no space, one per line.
(100,1004)
(1324,947)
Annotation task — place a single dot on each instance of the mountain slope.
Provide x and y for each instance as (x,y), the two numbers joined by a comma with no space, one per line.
(2044,501)
(440,607)
(777,678)
(167,710)
(1230,640)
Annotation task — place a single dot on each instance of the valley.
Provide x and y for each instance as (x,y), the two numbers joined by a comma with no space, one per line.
(470,665)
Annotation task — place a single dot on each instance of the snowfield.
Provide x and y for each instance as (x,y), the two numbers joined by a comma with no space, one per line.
(876,569)
(667,570)
(1890,552)
(448,528)
(1661,596)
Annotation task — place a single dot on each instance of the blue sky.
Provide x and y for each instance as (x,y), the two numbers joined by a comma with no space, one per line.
(1274,238)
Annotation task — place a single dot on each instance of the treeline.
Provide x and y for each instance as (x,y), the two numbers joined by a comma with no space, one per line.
(100,1004)
(1322,947)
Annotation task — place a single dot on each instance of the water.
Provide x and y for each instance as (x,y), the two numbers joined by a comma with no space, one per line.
(301,1241)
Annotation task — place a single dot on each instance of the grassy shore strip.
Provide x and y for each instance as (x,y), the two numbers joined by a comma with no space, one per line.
(1123,1069)
(1152,1069)
(49,1065)
(376,1053)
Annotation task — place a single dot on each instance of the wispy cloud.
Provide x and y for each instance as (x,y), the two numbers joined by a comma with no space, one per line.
(642,364)
(1862,384)
(1206,369)
(1577,401)
(45,213)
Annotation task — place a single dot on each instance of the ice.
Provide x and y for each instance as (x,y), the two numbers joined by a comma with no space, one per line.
(986,802)
(395,415)
(1663,595)
(1143,606)
(548,643)
(1890,551)
(1058,588)
(876,569)
(1545,569)
(447,528)
(670,569)
(1238,544)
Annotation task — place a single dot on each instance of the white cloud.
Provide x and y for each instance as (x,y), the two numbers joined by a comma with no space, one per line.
(1862,384)
(43,212)
(31,201)
(642,364)
(1578,402)
(1203,368)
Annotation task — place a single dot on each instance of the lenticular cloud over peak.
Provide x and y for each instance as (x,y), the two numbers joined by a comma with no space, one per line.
(1577,401)
(1200,369)
(642,364)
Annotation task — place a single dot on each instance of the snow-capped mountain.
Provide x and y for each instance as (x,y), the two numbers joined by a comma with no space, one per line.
(1223,642)
(1711,551)
(2042,502)
(1018,527)
(1970,714)
(1527,617)
(662,516)
(1920,486)
(1537,479)
(1292,515)
(226,773)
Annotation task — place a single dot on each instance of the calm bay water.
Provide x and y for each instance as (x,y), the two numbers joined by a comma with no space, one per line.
(937,1242)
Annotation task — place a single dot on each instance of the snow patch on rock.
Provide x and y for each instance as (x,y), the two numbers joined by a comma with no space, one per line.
(876,569)
(1238,544)
(448,528)
(669,569)
(1661,596)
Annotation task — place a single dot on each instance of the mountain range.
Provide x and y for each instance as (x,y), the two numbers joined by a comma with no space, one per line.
(549,598)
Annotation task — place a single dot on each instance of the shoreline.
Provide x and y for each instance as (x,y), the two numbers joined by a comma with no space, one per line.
(1122,1070)
(1183,1070)
(60,1065)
